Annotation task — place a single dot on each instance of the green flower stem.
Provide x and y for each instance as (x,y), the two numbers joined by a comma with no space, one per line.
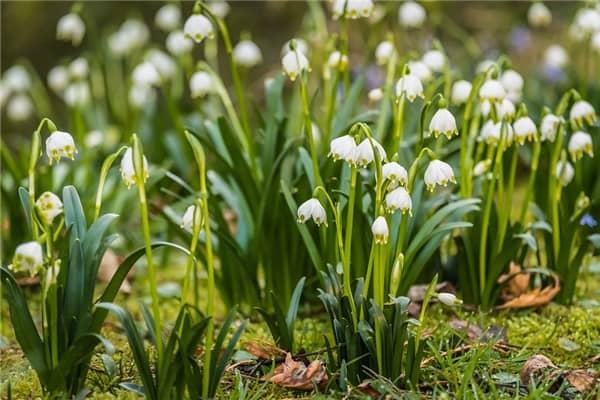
(506,211)
(196,227)
(467,139)
(344,49)
(398,123)
(309,132)
(330,100)
(348,239)
(108,162)
(531,182)
(388,93)
(338,224)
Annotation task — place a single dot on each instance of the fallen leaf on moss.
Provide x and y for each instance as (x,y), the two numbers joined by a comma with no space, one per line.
(535,367)
(517,283)
(265,350)
(582,380)
(534,298)
(295,375)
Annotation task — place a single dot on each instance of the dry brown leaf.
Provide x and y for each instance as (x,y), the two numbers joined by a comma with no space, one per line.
(265,350)
(534,298)
(29,281)
(108,267)
(534,367)
(516,282)
(582,380)
(295,375)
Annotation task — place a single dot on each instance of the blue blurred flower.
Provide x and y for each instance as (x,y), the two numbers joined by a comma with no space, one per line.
(520,38)
(588,220)
(553,73)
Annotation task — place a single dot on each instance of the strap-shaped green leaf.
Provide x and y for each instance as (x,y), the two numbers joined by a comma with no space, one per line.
(74,215)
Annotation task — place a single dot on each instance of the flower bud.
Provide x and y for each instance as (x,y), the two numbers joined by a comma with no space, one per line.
(60,144)
(375,95)
(564,172)
(49,206)
(191,218)
(448,299)
(482,167)
(128,169)
(380,230)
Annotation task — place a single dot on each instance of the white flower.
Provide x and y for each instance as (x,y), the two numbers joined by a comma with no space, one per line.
(505,108)
(512,81)
(398,199)
(596,41)
(484,65)
(58,78)
(564,172)
(247,54)
(380,230)
(337,61)
(588,20)
(77,94)
(375,95)
(420,70)
(168,17)
(514,97)
(364,152)
(435,59)
(383,52)
(218,7)
(140,95)
(549,127)
(16,78)
(448,299)
(395,173)
(482,167)
(492,90)
(133,34)
(49,206)
(197,27)
(178,44)
(438,173)
(411,14)
(79,68)
(524,129)
(493,133)
(486,131)
(94,138)
(60,144)
(28,257)
(128,170)
(580,142)
(301,46)
(188,221)
(461,90)
(410,86)
(344,148)
(201,83)
(70,28)
(316,132)
(19,108)
(443,123)
(556,56)
(145,74)
(539,15)
(312,209)
(352,8)
(294,63)
(164,64)
(582,111)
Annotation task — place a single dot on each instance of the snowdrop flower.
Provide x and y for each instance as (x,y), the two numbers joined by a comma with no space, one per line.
(60,144)
(492,90)
(438,173)
(461,90)
(301,46)
(448,299)
(411,14)
(505,108)
(564,172)
(395,173)
(58,78)
(380,230)
(337,61)
(435,59)
(539,15)
(549,127)
(596,41)
(19,108)
(201,83)
(375,95)
(364,152)
(49,206)
(344,148)
(588,20)
(383,52)
(77,94)
(493,133)
(484,65)
(524,129)
(443,123)
(294,63)
(420,70)
(514,97)
(128,170)
(398,199)
(197,27)
(316,132)
(145,74)
(79,68)
(247,54)
(188,221)
(94,139)
(352,8)
(178,44)
(140,95)
(70,28)
(134,33)
(512,81)
(485,132)
(556,56)
(17,79)
(580,142)
(218,7)
(410,86)
(312,209)
(582,111)
(28,257)
(164,64)
(168,17)
(482,167)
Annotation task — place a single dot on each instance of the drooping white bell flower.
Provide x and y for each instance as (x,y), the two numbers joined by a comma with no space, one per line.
(410,86)
(564,172)
(420,70)
(294,63)
(16,78)
(188,222)
(485,132)
(337,61)
(580,142)
(197,27)
(58,78)
(461,90)
(128,170)
(582,111)
(492,90)
(380,230)
(435,60)
(28,258)
(60,144)
(443,123)
(218,7)
(395,173)
(398,199)
(549,127)
(79,68)
(588,20)
(140,95)
(493,134)
(247,54)
(168,17)
(164,65)
(524,129)
(512,81)
(132,35)
(145,74)
(448,299)
(352,8)
(19,108)
(77,94)
(482,167)
(70,28)
(514,97)
(438,173)
(49,206)
(178,44)
(505,108)
(384,52)
(556,56)
(201,84)
(375,95)
(411,14)
(312,209)
(364,152)
(344,148)
(539,15)
(301,46)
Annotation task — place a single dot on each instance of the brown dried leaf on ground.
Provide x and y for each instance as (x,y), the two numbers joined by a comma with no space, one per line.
(516,282)
(295,375)
(534,298)
(535,367)
(108,267)
(264,350)
(582,380)
(538,366)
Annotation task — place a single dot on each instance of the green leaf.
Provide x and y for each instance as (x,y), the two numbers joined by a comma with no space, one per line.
(342,118)
(74,215)
(24,197)
(290,319)
(595,239)
(529,239)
